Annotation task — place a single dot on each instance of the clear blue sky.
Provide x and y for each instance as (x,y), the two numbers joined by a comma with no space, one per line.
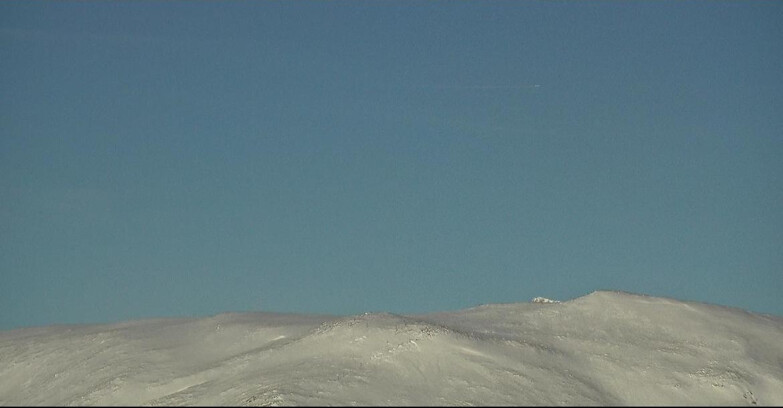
(173,158)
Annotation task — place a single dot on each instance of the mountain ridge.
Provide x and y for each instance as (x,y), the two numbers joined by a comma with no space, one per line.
(605,348)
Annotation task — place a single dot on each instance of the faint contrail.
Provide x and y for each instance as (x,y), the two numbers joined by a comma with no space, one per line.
(481,87)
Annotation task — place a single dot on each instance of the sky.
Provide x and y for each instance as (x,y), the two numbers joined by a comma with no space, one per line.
(193,158)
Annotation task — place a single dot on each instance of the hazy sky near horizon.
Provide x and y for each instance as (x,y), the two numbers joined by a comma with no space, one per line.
(192,158)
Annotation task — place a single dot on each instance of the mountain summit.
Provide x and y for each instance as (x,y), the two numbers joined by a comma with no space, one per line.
(606,348)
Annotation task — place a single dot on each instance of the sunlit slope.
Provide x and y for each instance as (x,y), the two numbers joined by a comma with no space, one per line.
(606,348)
